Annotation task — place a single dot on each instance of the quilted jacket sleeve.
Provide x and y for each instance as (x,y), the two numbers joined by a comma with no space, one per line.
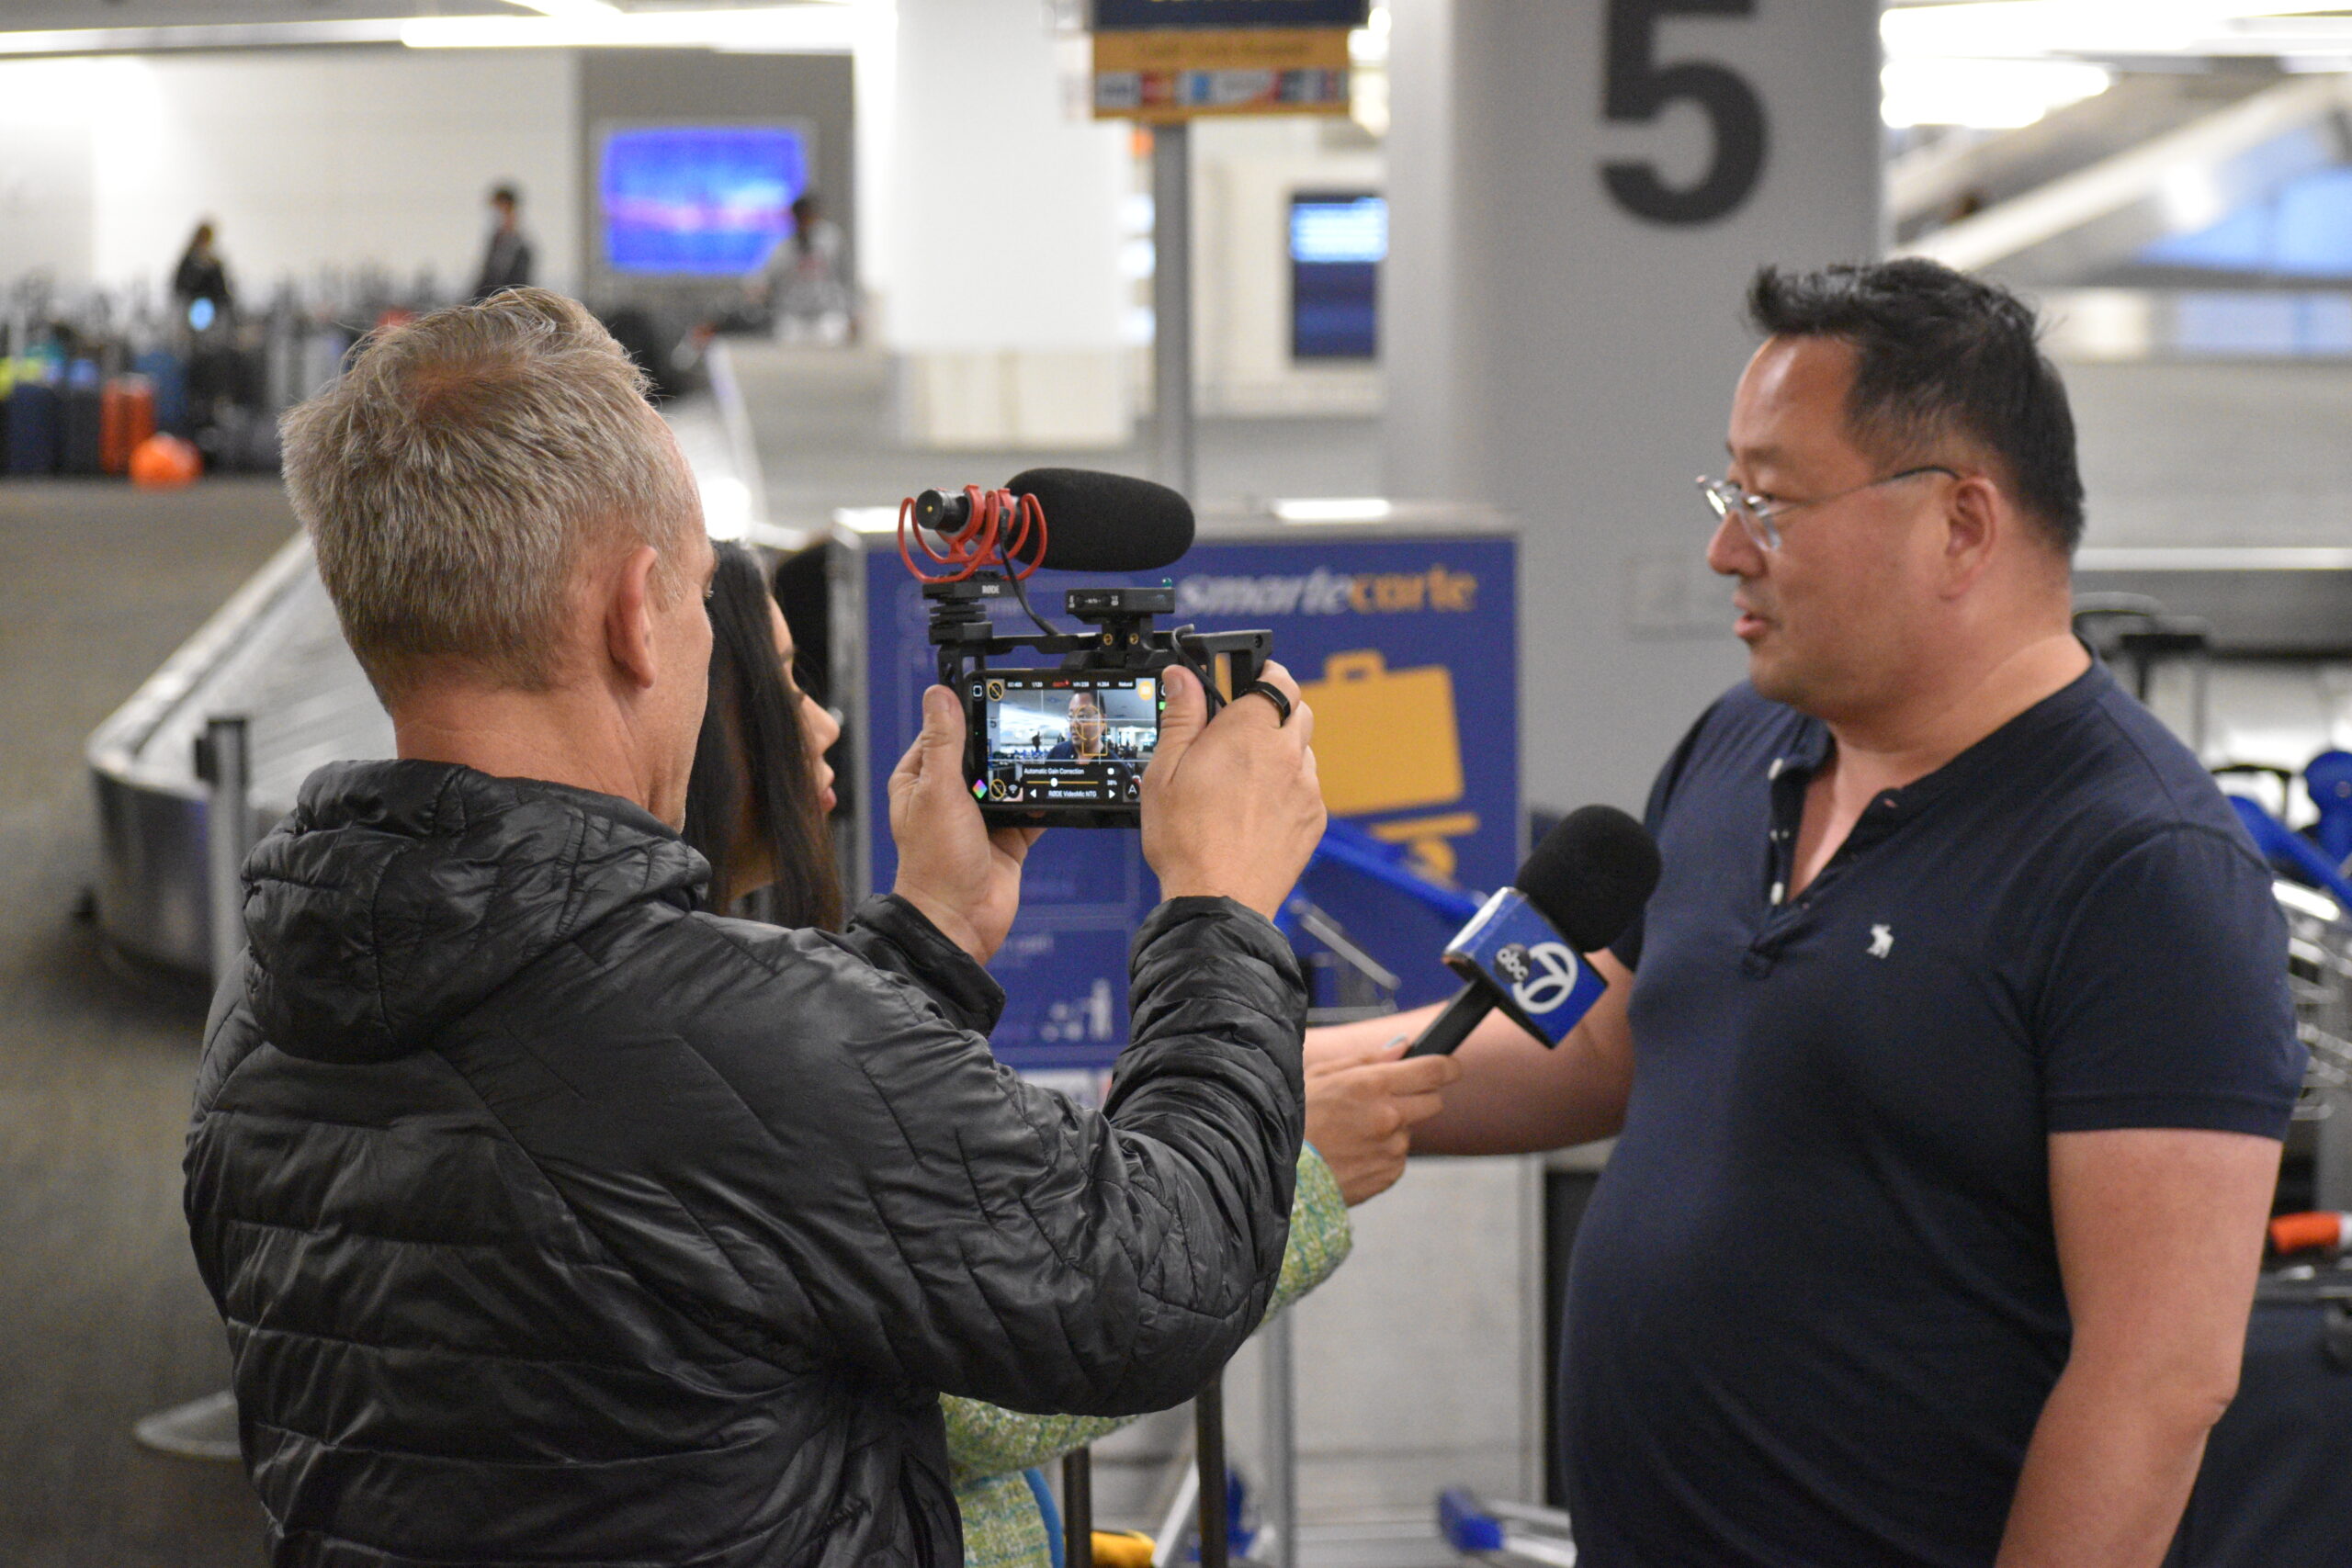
(813,1153)
(893,936)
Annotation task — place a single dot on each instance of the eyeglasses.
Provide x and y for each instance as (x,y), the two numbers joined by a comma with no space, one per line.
(1760,515)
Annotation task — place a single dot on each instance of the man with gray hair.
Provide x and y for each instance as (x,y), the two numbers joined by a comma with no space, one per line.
(556,1219)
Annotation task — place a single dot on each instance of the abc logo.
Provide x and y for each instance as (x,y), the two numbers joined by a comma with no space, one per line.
(1543,978)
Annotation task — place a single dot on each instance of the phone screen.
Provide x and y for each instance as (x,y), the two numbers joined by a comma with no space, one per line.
(1056,737)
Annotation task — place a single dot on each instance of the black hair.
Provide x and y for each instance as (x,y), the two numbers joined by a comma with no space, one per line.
(1939,354)
(806,595)
(750,785)
(507,194)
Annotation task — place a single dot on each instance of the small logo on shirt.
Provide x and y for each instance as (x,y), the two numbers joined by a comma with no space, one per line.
(1882,940)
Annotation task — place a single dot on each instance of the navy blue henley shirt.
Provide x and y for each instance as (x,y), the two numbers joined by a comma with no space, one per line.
(1815,1308)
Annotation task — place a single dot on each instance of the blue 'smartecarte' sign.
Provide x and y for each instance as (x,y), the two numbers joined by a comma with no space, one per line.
(1406,648)
(1141,16)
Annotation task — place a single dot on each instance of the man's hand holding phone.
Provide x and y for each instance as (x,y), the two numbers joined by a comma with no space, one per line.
(1231,807)
(965,878)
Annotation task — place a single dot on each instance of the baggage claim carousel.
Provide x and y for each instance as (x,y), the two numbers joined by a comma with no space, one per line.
(275,656)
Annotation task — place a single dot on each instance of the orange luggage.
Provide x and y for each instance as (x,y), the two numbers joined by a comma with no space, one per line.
(126,419)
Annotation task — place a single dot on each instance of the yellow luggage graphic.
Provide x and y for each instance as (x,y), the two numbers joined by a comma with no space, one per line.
(1385,740)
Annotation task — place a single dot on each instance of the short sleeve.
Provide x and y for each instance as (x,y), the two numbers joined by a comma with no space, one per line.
(2166,1004)
(1627,948)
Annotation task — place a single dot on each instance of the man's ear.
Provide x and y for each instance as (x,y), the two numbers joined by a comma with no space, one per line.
(628,617)
(1976,523)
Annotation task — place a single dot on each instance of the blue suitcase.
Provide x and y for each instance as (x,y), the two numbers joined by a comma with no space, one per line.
(164,368)
(32,429)
(81,421)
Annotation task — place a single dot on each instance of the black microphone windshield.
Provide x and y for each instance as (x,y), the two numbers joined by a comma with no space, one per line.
(1591,876)
(1097,521)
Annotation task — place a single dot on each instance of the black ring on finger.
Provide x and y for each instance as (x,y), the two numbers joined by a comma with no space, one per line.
(1274,694)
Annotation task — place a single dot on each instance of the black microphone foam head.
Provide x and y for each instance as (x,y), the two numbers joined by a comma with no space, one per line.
(1591,876)
(1098,522)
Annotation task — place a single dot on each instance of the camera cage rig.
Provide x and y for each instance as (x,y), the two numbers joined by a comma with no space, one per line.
(998,543)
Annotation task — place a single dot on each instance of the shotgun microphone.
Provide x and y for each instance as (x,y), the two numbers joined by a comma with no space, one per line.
(1523,950)
(1094,522)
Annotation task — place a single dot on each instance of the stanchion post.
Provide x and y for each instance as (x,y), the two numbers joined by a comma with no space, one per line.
(1282,1441)
(1208,1419)
(1077,1510)
(207,1429)
(224,762)
(1172,302)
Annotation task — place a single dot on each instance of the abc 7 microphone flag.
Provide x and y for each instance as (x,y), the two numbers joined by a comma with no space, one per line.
(1536,978)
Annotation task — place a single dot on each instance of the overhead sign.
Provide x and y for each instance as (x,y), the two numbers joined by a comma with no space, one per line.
(1185,73)
(1151,16)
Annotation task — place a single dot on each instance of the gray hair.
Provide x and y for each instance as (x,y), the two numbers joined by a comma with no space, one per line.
(455,476)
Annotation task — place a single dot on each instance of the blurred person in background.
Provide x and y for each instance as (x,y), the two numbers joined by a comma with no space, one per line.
(200,292)
(755,809)
(802,283)
(554,1218)
(506,257)
(205,332)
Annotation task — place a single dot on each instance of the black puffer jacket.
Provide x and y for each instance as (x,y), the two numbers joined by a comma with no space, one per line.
(556,1223)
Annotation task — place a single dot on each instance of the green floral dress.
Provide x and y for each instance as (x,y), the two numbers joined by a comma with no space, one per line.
(989,1449)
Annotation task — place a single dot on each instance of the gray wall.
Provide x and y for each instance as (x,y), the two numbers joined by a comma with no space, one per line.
(684,84)
(1553,353)
(305,159)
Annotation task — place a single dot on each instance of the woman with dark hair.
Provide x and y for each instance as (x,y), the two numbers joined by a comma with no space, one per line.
(757,800)
(756,805)
(200,276)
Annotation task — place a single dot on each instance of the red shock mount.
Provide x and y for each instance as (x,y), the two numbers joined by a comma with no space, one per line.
(998,531)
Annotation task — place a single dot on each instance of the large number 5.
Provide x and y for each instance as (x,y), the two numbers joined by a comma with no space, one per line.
(1639,91)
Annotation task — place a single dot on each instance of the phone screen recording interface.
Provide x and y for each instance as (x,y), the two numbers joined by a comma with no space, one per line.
(1057,738)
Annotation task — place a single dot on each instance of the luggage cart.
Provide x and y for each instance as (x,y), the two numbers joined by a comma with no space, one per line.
(2274,1490)
(2319,976)
(1512,1535)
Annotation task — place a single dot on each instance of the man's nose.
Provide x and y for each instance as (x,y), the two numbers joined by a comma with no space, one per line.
(1732,553)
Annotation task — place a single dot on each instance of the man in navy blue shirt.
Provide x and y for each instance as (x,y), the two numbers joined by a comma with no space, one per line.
(1950,1060)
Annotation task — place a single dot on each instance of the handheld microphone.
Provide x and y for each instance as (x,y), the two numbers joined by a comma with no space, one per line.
(1523,950)
(1094,522)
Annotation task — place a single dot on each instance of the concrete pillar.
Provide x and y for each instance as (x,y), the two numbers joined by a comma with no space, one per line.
(989,211)
(1562,340)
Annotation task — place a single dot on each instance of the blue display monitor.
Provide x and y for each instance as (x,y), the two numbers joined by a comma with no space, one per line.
(709,199)
(1337,241)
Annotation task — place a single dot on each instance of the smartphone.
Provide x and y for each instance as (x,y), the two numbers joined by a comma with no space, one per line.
(1067,745)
